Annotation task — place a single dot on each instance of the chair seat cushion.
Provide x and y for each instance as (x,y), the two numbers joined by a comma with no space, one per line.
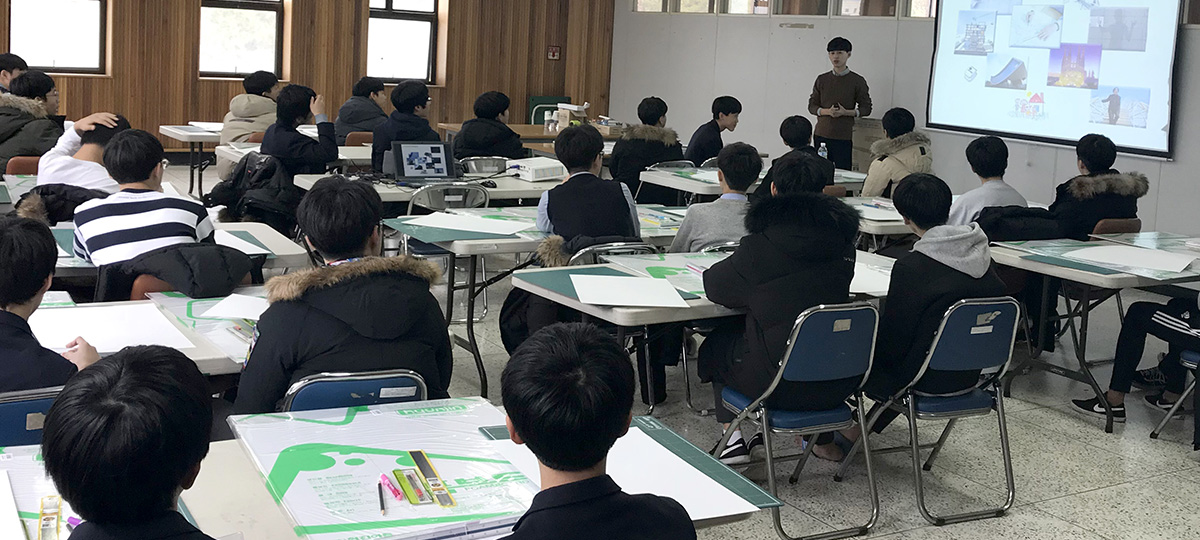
(975,402)
(424,249)
(1190,359)
(790,419)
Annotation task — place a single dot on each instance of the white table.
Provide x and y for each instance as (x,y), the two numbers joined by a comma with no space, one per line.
(195,137)
(850,180)
(348,156)
(507,187)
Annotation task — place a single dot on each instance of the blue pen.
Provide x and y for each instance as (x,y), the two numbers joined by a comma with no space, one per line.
(869,205)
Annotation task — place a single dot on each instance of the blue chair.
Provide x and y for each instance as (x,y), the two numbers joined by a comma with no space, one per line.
(974,335)
(22,415)
(827,343)
(1190,360)
(336,390)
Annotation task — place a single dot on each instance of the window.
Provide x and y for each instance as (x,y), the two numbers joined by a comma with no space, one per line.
(868,8)
(920,8)
(803,7)
(747,7)
(402,39)
(696,6)
(239,37)
(652,6)
(85,21)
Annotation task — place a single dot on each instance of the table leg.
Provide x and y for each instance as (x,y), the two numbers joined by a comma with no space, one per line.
(191,167)
(450,284)
(199,177)
(641,344)
(472,265)
(1081,355)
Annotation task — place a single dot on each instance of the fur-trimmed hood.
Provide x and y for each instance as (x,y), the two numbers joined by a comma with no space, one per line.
(32,107)
(646,132)
(887,147)
(1130,184)
(293,286)
(550,252)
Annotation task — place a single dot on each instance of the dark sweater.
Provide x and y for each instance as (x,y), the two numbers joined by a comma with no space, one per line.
(483,137)
(26,364)
(358,114)
(850,91)
(639,147)
(298,152)
(597,509)
(401,127)
(706,143)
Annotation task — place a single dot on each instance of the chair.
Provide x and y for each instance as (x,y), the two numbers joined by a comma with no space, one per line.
(359,138)
(23,165)
(699,327)
(974,335)
(441,197)
(256,137)
(827,343)
(22,415)
(146,284)
(335,390)
(835,191)
(1190,360)
(592,255)
(710,163)
(484,165)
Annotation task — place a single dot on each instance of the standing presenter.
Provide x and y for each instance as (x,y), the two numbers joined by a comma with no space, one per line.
(838,97)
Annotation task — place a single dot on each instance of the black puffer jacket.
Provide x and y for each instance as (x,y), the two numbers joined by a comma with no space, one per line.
(198,270)
(1079,204)
(483,137)
(399,127)
(54,203)
(358,114)
(258,190)
(26,129)
(642,146)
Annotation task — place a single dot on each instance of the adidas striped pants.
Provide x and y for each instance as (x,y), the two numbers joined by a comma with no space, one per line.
(1177,323)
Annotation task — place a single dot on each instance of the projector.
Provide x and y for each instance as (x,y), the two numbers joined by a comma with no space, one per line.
(538,169)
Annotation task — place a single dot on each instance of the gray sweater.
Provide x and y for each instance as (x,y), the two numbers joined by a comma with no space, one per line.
(992,193)
(711,224)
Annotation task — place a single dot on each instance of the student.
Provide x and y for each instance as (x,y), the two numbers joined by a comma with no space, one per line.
(11,67)
(568,396)
(27,259)
(838,97)
(29,121)
(706,142)
(796,173)
(299,153)
(360,312)
(488,134)
(902,153)
(364,110)
(948,264)
(249,113)
(988,157)
(799,253)
(1100,192)
(139,218)
(796,132)
(644,145)
(78,158)
(124,438)
(407,123)
(584,204)
(723,220)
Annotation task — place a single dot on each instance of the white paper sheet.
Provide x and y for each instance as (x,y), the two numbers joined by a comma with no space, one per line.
(1153,259)
(458,222)
(61,253)
(869,280)
(626,291)
(214,127)
(10,522)
(227,239)
(640,465)
(708,175)
(850,176)
(238,306)
(878,214)
(108,328)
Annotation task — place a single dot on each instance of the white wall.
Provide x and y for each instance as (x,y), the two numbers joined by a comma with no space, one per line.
(770,65)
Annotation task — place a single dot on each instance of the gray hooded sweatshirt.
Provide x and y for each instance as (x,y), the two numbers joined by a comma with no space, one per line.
(961,247)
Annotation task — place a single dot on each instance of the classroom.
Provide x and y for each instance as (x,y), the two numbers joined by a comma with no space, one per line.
(638,269)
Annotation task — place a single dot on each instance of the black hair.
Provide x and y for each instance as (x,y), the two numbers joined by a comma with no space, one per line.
(102,134)
(568,390)
(260,82)
(367,86)
(490,105)
(10,62)
(651,110)
(1097,152)
(124,434)
(132,155)
(796,131)
(577,147)
(923,199)
(898,121)
(32,84)
(741,165)
(840,44)
(725,105)
(27,257)
(338,216)
(988,156)
(293,105)
(408,95)
(799,173)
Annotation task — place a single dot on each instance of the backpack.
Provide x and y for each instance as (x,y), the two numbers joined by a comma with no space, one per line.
(259,190)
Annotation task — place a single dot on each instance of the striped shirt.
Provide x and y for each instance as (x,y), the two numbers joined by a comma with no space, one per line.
(131,222)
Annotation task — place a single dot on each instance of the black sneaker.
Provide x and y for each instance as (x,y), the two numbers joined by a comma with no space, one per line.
(1150,379)
(1093,407)
(1157,401)
(755,446)
(735,453)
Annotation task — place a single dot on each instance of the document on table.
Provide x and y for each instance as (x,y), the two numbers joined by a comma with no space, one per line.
(458,222)
(10,521)
(238,306)
(61,252)
(1153,259)
(640,465)
(108,328)
(225,238)
(214,127)
(706,175)
(626,291)
(870,280)
(878,214)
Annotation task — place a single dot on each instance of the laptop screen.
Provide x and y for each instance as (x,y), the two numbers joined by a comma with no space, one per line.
(423,159)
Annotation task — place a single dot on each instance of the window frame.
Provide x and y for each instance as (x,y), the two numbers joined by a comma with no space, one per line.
(250,5)
(102,70)
(431,17)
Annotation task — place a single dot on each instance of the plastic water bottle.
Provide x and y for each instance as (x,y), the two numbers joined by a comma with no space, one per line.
(823,151)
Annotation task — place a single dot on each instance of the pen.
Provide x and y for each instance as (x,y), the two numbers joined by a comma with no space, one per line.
(869,205)
(382,511)
(385,482)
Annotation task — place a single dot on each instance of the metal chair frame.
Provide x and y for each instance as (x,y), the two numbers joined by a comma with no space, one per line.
(692,329)
(421,198)
(296,387)
(1191,364)
(592,254)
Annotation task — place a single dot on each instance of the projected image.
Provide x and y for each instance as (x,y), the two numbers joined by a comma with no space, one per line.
(1036,26)
(424,160)
(976,32)
(1119,29)
(1120,106)
(1075,65)
(1001,7)
(1004,71)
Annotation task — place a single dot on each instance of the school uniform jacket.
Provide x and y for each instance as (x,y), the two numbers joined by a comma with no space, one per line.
(639,147)
(894,159)
(366,315)
(485,137)
(706,143)
(298,152)
(399,127)
(24,363)
(597,509)
(169,525)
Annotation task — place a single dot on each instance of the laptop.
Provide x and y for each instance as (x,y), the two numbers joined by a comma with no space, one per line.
(419,163)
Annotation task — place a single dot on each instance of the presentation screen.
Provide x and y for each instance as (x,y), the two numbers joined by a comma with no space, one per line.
(1054,71)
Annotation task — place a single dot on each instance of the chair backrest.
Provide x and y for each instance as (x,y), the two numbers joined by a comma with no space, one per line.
(359,138)
(23,165)
(256,137)
(671,165)
(975,334)
(488,165)
(146,284)
(834,191)
(335,390)
(1116,226)
(727,247)
(592,254)
(438,197)
(22,415)
(830,343)
(710,163)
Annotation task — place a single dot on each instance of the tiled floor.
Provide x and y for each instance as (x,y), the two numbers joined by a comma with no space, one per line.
(1073,480)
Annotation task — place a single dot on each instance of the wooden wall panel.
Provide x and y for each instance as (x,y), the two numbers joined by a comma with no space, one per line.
(589,53)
